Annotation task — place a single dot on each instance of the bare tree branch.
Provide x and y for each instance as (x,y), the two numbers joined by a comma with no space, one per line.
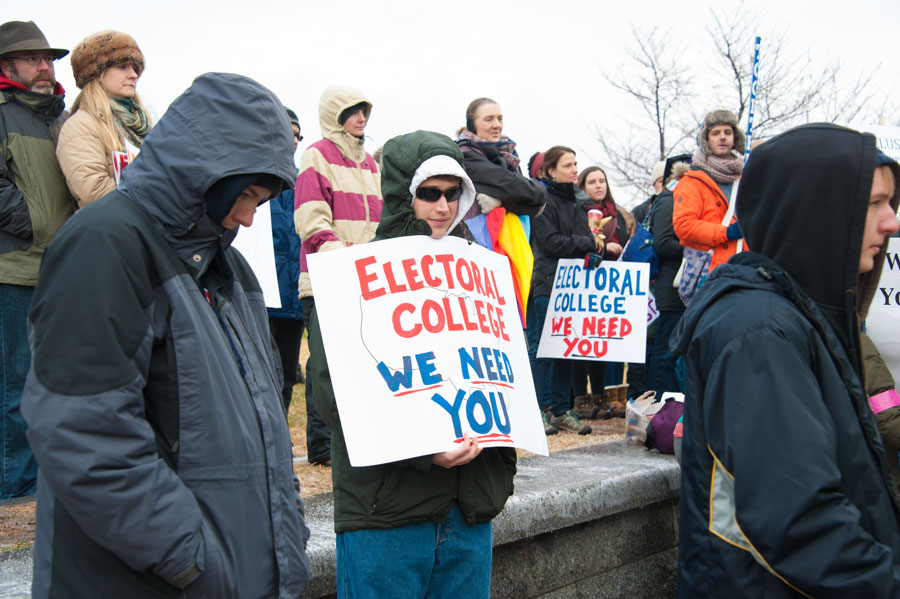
(657,84)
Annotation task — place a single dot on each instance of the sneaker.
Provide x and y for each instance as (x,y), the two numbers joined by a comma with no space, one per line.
(549,429)
(569,421)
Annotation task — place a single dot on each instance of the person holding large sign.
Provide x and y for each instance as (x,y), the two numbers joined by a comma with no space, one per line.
(562,231)
(420,526)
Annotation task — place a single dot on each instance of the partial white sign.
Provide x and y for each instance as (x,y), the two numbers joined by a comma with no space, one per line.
(255,244)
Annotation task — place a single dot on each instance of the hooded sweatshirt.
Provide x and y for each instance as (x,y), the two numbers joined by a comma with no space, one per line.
(337,200)
(414,490)
(785,490)
(154,399)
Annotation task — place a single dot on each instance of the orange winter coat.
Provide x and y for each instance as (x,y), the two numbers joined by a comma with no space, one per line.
(697,216)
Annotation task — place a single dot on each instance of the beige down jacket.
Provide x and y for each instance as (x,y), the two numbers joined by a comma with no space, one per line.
(87,166)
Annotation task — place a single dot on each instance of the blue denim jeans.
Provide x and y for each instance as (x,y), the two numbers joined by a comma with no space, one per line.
(18,470)
(552,377)
(450,559)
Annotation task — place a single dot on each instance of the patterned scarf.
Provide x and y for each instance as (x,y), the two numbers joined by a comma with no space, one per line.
(505,146)
(722,170)
(131,120)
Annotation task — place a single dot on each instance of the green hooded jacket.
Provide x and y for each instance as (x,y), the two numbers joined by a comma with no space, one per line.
(400,493)
(879,380)
(34,199)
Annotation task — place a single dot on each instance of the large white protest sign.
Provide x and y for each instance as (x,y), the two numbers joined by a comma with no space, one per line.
(883,320)
(424,344)
(255,244)
(598,313)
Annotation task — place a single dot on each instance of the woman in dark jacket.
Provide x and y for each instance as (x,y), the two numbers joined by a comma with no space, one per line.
(562,231)
(492,163)
(411,527)
(599,205)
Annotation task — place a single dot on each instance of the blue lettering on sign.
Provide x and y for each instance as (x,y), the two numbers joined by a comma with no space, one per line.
(489,407)
(395,379)
(452,410)
(427,372)
(485,361)
(503,427)
(478,400)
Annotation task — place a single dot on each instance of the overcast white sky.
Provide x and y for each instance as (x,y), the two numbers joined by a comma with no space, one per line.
(421,62)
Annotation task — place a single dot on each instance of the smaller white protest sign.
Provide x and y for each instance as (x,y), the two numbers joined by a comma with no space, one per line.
(883,320)
(424,344)
(598,313)
(255,244)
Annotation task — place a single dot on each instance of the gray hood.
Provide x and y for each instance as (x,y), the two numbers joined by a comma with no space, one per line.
(222,125)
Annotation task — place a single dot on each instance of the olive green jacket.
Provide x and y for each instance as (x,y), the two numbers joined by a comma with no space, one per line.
(399,493)
(879,380)
(34,199)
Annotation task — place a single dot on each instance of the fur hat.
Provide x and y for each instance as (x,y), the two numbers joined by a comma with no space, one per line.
(97,52)
(721,117)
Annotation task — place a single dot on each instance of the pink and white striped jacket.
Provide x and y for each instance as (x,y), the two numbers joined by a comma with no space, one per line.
(337,199)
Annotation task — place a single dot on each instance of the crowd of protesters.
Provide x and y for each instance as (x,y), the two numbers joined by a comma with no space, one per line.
(143,312)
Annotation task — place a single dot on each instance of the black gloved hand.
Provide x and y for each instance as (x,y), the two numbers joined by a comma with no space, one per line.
(734,231)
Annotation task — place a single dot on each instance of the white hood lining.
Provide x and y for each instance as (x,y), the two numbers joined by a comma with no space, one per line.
(443,165)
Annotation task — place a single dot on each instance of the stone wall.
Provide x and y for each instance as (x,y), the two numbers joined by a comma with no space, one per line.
(599,521)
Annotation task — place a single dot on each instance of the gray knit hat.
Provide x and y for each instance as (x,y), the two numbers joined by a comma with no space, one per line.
(721,117)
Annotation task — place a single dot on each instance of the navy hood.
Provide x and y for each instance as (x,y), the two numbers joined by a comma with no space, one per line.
(222,125)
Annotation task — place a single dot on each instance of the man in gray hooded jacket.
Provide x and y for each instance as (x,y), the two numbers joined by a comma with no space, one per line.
(153,403)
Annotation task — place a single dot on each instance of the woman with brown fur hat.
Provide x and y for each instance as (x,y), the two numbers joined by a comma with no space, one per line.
(108,121)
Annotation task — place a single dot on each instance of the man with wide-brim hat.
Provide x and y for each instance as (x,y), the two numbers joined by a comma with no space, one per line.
(27,58)
(34,203)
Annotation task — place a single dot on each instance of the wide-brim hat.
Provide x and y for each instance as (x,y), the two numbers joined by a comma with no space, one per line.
(23,36)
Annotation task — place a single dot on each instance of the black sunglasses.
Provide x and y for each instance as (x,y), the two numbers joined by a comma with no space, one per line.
(433,194)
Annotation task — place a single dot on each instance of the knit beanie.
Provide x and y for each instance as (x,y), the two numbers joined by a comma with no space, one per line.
(348,112)
(292,117)
(97,52)
(720,117)
(222,195)
(659,170)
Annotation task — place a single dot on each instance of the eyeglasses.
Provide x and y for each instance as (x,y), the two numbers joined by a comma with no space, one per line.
(433,194)
(298,137)
(34,60)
